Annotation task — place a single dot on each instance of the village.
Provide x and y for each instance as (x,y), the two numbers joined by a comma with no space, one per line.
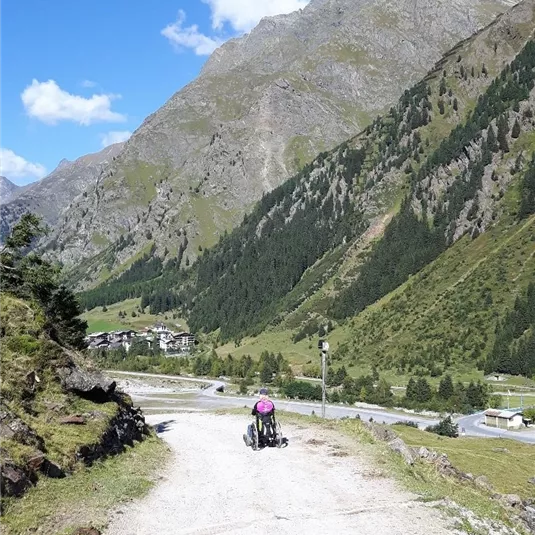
(156,337)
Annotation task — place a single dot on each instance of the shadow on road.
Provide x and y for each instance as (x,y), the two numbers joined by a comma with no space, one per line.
(162,427)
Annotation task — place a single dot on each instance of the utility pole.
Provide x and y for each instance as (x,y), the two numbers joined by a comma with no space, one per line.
(323,346)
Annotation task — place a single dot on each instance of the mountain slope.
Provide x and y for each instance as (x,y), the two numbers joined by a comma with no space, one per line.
(7,189)
(320,224)
(263,105)
(51,195)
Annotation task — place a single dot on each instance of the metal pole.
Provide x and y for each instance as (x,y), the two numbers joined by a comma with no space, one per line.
(323,367)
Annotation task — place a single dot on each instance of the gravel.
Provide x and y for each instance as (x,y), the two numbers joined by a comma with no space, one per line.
(318,484)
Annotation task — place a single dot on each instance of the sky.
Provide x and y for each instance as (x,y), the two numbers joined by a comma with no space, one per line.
(77,76)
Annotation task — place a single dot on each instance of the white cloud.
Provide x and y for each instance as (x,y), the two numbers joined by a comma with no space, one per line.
(240,15)
(243,15)
(89,83)
(50,104)
(190,37)
(13,166)
(114,137)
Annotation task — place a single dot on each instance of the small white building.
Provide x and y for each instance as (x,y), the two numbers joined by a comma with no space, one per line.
(503,419)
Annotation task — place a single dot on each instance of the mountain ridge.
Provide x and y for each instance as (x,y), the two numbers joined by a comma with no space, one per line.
(194,167)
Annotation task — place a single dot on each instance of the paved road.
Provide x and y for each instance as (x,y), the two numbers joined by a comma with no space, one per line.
(474,426)
(209,398)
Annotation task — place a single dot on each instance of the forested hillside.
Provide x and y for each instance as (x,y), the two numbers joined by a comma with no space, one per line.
(451,148)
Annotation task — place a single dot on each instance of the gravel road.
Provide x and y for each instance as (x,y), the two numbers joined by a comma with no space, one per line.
(318,484)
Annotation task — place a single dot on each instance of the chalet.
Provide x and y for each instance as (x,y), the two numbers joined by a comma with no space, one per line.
(185,339)
(510,419)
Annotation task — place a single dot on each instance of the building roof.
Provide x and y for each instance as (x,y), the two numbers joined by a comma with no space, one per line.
(502,414)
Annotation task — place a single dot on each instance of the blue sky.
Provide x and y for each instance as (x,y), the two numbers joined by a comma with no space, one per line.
(77,75)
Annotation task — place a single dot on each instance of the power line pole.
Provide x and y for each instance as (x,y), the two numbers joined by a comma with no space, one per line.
(323,345)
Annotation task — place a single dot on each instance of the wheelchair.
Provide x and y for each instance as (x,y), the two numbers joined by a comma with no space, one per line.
(261,434)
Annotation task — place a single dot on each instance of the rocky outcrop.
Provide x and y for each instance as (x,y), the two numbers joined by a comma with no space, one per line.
(263,105)
(13,428)
(124,429)
(89,384)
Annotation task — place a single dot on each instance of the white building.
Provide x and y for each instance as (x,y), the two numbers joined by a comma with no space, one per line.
(503,419)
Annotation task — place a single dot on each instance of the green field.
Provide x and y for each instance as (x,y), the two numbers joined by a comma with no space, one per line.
(109,320)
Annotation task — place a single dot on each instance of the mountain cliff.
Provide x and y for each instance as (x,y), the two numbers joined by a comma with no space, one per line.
(7,189)
(51,195)
(262,107)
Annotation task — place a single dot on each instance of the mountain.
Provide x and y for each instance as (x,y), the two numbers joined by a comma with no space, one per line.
(415,236)
(51,195)
(7,189)
(263,106)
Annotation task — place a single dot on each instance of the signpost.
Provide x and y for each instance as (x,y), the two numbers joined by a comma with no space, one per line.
(323,346)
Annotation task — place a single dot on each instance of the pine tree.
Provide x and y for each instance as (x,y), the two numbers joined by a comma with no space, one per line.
(503,130)
(516,129)
(455,104)
(445,389)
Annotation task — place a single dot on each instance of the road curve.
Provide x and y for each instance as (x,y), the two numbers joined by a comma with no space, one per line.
(209,398)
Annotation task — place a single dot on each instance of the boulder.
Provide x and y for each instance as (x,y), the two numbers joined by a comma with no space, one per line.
(73,419)
(51,469)
(35,462)
(382,433)
(13,479)
(511,500)
(531,480)
(400,447)
(86,383)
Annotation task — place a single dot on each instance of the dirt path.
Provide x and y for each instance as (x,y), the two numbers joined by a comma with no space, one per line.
(216,485)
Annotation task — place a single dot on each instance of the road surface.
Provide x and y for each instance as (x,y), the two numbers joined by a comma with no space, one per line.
(319,484)
(209,398)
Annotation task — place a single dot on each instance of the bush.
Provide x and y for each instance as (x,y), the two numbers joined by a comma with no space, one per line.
(408,423)
(445,428)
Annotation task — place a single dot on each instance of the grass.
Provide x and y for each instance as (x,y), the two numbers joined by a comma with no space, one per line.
(507,464)
(109,321)
(53,506)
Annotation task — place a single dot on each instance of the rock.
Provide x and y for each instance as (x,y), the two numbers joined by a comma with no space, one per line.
(51,469)
(74,419)
(483,482)
(400,447)
(511,500)
(12,427)
(528,516)
(90,384)
(382,433)
(125,428)
(13,479)
(501,450)
(531,480)
(35,461)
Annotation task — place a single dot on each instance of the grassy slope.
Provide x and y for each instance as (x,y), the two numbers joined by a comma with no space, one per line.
(52,503)
(53,506)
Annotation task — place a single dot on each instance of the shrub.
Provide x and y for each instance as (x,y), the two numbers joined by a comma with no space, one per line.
(445,428)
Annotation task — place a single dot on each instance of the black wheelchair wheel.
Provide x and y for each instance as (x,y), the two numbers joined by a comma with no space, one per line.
(278,435)
(254,438)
